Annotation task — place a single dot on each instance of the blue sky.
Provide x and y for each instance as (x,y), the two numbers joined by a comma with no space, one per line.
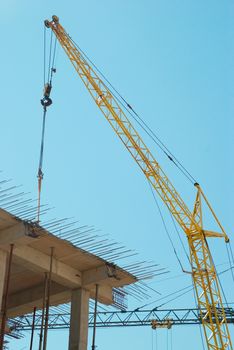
(173,62)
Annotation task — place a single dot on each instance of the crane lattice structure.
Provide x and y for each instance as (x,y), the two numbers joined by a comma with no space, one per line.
(203,272)
(156,318)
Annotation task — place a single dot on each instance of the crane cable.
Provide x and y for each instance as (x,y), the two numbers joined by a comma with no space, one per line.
(166,230)
(45,102)
(230,259)
(123,102)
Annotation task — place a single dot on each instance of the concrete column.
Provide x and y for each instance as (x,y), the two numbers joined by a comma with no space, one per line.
(3,263)
(78,336)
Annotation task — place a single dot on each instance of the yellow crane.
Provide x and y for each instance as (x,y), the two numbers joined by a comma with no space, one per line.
(203,271)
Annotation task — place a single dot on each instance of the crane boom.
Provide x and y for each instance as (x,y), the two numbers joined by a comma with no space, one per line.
(203,270)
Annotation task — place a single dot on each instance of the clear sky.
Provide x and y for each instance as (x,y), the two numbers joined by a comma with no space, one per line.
(173,61)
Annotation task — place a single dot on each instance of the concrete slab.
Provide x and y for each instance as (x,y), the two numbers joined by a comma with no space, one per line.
(73,268)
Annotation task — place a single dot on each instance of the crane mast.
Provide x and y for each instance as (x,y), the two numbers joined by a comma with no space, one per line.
(203,271)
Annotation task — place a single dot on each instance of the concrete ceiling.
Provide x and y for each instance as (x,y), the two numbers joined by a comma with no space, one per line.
(72,267)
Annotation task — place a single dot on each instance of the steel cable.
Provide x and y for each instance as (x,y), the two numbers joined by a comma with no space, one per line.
(140,121)
(230,263)
(165,227)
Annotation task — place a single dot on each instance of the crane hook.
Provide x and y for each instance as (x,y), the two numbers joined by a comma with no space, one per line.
(46,100)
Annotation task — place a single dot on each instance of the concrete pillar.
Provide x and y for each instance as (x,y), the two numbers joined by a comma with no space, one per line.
(78,336)
(3,263)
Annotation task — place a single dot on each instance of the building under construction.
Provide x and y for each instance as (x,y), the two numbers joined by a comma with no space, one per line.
(40,269)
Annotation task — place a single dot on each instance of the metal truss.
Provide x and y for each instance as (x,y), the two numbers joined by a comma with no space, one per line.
(156,318)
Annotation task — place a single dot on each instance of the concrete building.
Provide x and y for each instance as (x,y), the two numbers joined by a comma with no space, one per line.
(75,275)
